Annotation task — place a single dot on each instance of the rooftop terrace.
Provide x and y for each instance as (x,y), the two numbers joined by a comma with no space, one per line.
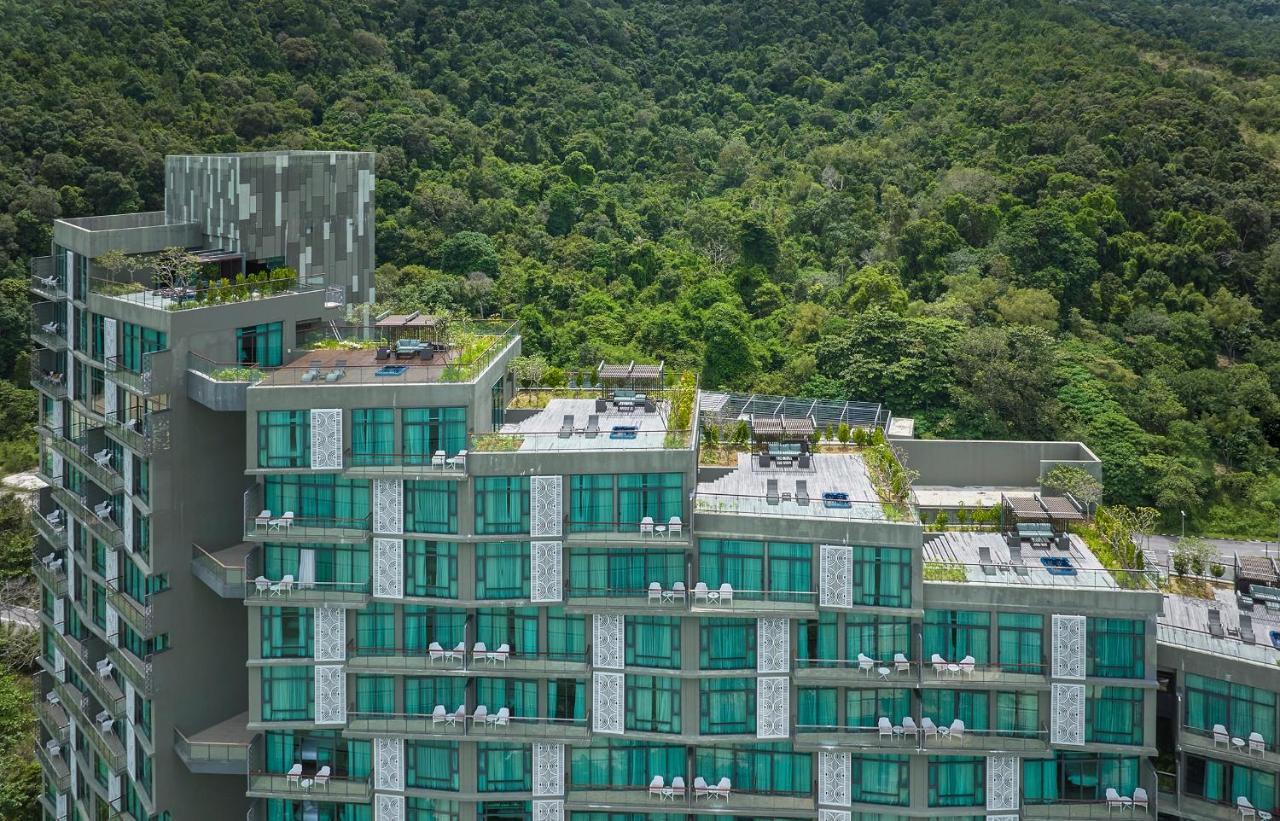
(986,558)
(831,486)
(577,424)
(1186,623)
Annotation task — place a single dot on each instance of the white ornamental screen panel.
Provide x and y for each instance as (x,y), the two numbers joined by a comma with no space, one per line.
(548,769)
(548,811)
(1009,817)
(108,339)
(115,789)
(773,707)
(330,633)
(388,506)
(835,576)
(834,815)
(606,642)
(834,775)
(1002,782)
(388,764)
(1069,646)
(607,699)
(326,438)
(126,524)
(1067,707)
(113,621)
(113,565)
(388,808)
(55,416)
(110,398)
(331,694)
(546,506)
(388,568)
(773,645)
(546,582)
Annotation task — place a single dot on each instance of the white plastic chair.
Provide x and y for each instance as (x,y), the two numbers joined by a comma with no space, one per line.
(956,730)
(726,593)
(262,584)
(909,727)
(1220,736)
(1257,744)
(479,652)
(723,789)
(1140,799)
(294,775)
(439,715)
(459,652)
(646,526)
(700,593)
(678,592)
(656,786)
(480,716)
(1117,801)
(262,521)
(458,717)
(436,653)
(1245,808)
(939,664)
(284,587)
(885,726)
(677,787)
(322,777)
(655,593)
(437,459)
(865,664)
(929,728)
(700,788)
(503,718)
(967,665)
(901,664)
(501,654)
(674,526)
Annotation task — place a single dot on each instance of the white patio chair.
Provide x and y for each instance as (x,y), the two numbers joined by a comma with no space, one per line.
(722,789)
(262,584)
(322,777)
(286,584)
(503,717)
(700,593)
(655,593)
(700,788)
(1220,736)
(262,521)
(865,664)
(909,727)
(677,787)
(437,459)
(967,665)
(435,652)
(674,526)
(956,731)
(457,717)
(439,715)
(939,664)
(1245,808)
(656,786)
(480,716)
(501,654)
(885,726)
(901,664)
(678,591)
(928,728)
(294,775)
(1140,799)
(458,653)
(1257,744)
(646,526)
(479,652)
(726,593)
(1117,801)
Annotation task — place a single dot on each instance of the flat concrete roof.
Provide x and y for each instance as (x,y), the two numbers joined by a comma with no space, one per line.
(541,431)
(745,488)
(948,497)
(963,550)
(1185,623)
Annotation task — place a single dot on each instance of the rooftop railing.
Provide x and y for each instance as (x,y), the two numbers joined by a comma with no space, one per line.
(210,752)
(1035,573)
(472,345)
(610,436)
(198,295)
(1226,645)
(816,507)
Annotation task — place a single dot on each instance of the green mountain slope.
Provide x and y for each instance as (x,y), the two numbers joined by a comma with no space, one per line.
(1005,218)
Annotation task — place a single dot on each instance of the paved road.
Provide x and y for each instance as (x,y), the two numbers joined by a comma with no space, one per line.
(21,617)
(1158,548)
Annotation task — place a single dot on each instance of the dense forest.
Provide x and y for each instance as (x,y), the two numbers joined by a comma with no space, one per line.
(1007,219)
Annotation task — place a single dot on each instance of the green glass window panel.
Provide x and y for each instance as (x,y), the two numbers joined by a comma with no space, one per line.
(431,765)
(878,637)
(1115,648)
(567,698)
(431,809)
(430,507)
(136,342)
(881,576)
(789,569)
(261,345)
(772,769)
(502,504)
(502,570)
(375,694)
(376,630)
(142,478)
(727,644)
(504,767)
(1077,777)
(865,708)
(591,503)
(1256,785)
(622,573)
(734,562)
(954,634)
(1020,638)
(1018,714)
(430,569)
(566,635)
(373,436)
(423,694)
(816,706)
(727,705)
(287,693)
(517,626)
(816,640)
(517,695)
(653,704)
(338,566)
(427,430)
(884,779)
(1113,715)
(957,782)
(945,706)
(423,625)
(652,641)
(612,764)
(286,632)
(284,439)
(320,500)
(656,495)
(1238,707)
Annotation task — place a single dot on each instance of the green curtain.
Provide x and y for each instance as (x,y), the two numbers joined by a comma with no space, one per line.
(957,782)
(422,694)
(430,506)
(591,503)
(1039,781)
(328,500)
(431,765)
(1259,787)
(766,768)
(345,565)
(727,644)
(878,637)
(954,634)
(373,436)
(881,576)
(502,570)
(739,563)
(503,767)
(1113,715)
(1116,648)
(286,632)
(1021,639)
(632,763)
(945,706)
(376,630)
(658,495)
(518,695)
(426,430)
(864,708)
(816,639)
(881,780)
(816,706)
(653,704)
(430,569)
(790,569)
(517,626)
(566,635)
(606,572)
(1017,714)
(284,439)
(1239,708)
(279,751)
(727,705)
(502,504)
(423,625)
(375,694)
(287,693)
(566,698)
(653,641)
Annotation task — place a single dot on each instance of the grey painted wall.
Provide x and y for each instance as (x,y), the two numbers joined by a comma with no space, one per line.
(969,462)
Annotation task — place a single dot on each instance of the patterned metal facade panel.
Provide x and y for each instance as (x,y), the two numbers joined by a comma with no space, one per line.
(548,769)
(388,568)
(388,506)
(326,438)
(546,579)
(1069,633)
(606,642)
(330,624)
(608,699)
(834,776)
(1002,782)
(388,764)
(773,645)
(773,707)
(546,506)
(835,576)
(1067,711)
(330,694)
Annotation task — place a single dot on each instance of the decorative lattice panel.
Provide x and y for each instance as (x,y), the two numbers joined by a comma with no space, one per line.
(330,633)
(126,524)
(545,575)
(331,694)
(834,774)
(548,811)
(546,505)
(834,815)
(55,415)
(388,764)
(388,807)
(1002,782)
(607,701)
(548,769)
(388,506)
(835,576)
(773,707)
(326,438)
(606,642)
(1068,646)
(1067,709)
(110,398)
(773,645)
(113,621)
(109,337)
(1012,817)
(388,568)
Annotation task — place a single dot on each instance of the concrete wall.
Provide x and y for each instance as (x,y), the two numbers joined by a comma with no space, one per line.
(969,462)
(129,233)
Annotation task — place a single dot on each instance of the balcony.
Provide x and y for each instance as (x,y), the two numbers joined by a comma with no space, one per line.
(739,803)
(151,377)
(1062,810)
(869,672)
(50,573)
(49,709)
(143,435)
(1189,806)
(222,749)
(55,532)
(52,381)
(286,527)
(306,787)
(105,689)
(137,670)
(1201,742)
(102,737)
(665,600)
(139,615)
(45,280)
(418,660)
(626,534)
(516,728)
(896,740)
(96,465)
(104,529)
(225,571)
(48,333)
(55,765)
(287,592)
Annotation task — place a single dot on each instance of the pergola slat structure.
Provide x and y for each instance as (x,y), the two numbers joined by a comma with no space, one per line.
(406,326)
(725,408)
(630,375)
(1054,510)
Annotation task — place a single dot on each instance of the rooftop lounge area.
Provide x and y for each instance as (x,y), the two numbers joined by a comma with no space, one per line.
(827,485)
(1245,628)
(994,559)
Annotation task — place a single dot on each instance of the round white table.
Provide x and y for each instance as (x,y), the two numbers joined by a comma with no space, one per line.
(884,673)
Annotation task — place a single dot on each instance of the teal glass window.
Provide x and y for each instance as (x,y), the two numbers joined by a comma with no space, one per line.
(427,430)
(1113,715)
(1116,648)
(957,782)
(878,637)
(591,503)
(430,569)
(376,630)
(656,495)
(373,436)
(261,345)
(319,500)
(502,570)
(1222,783)
(1018,714)
(613,764)
(652,641)
(567,698)
(431,765)
(137,343)
(1077,777)
(99,333)
(653,704)
(727,705)
(954,634)
(286,632)
(816,706)
(422,694)
(945,706)
(502,504)
(622,573)
(423,625)
(430,506)
(141,478)
(287,693)
(770,769)
(1238,707)
(864,708)
(1020,638)
(520,696)
(375,694)
(727,644)
(881,779)
(566,635)
(783,569)
(429,809)
(504,767)
(517,626)
(881,576)
(816,640)
(343,567)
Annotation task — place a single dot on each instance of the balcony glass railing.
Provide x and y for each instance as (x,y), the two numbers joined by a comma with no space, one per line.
(98,466)
(51,381)
(309,786)
(885,672)
(492,726)
(667,598)
(140,380)
(137,670)
(940,738)
(138,614)
(55,765)
(51,575)
(55,532)
(288,591)
(51,334)
(103,528)
(1226,645)
(465,661)
(288,527)
(210,752)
